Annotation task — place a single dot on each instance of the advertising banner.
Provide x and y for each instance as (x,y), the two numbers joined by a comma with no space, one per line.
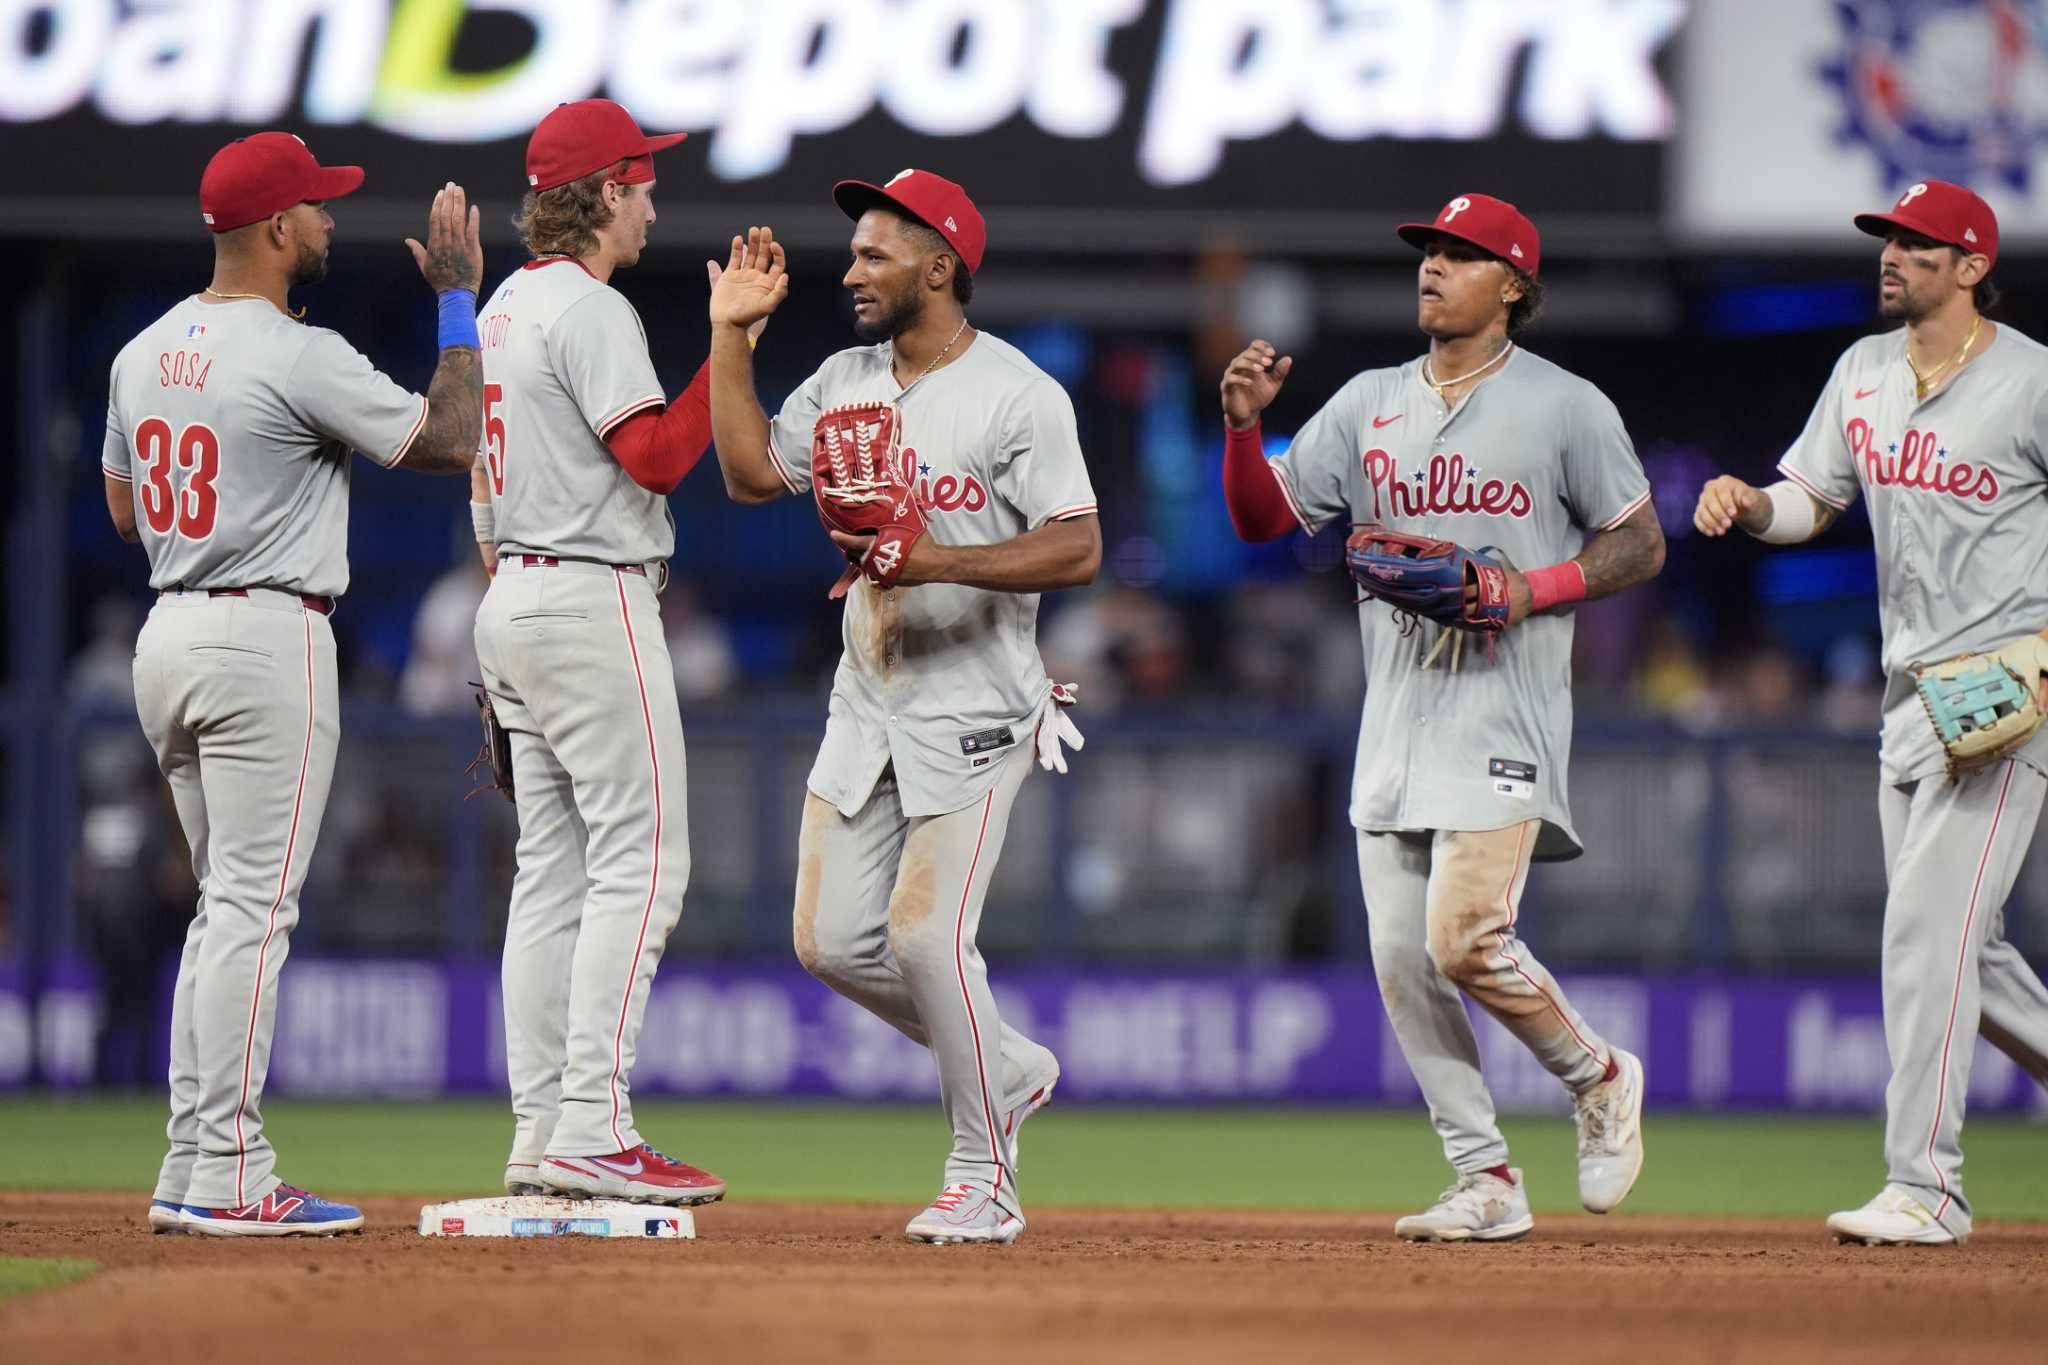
(426,1029)
(1796,117)
(1088,107)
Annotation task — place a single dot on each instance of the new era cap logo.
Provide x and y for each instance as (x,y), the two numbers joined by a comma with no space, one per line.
(208,217)
(1912,192)
(951,226)
(1969,235)
(1515,250)
(533,180)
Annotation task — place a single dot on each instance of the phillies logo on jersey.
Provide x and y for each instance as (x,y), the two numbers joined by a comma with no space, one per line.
(1920,461)
(946,493)
(1447,485)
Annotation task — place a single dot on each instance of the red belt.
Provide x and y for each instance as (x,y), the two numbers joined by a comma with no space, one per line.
(323,605)
(554,561)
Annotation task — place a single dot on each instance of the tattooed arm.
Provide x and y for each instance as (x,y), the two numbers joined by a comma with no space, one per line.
(447,444)
(1622,557)
(452,259)
(1631,553)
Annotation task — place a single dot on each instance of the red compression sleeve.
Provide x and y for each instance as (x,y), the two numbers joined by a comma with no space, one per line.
(1259,509)
(659,448)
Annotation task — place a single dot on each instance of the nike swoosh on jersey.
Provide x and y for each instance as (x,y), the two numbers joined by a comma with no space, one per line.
(1379,422)
(1862,394)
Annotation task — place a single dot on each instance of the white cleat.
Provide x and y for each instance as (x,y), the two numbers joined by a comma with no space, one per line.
(1610,1119)
(1479,1208)
(964,1213)
(1893,1219)
(524,1180)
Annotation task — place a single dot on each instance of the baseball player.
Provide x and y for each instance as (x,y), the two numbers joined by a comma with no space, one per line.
(1460,779)
(940,698)
(580,451)
(1942,425)
(229,426)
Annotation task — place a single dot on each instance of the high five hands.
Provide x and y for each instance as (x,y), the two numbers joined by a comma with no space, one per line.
(453,257)
(752,284)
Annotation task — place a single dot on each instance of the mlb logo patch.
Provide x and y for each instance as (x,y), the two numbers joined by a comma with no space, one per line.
(197,329)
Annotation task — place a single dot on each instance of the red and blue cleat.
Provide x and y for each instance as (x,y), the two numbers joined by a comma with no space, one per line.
(286,1211)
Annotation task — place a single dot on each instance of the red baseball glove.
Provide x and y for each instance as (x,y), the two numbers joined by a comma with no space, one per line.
(857,481)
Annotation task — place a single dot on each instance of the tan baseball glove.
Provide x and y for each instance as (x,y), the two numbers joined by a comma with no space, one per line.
(1984,706)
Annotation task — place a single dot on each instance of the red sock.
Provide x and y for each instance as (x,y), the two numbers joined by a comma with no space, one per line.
(1500,1173)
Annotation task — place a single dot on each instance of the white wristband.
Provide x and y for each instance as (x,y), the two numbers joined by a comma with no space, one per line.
(1792,518)
(484,517)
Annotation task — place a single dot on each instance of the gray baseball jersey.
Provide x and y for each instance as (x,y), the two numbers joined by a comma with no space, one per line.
(235,422)
(1531,461)
(941,678)
(1955,488)
(565,361)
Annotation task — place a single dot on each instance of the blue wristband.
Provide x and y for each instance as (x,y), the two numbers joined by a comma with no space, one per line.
(458,319)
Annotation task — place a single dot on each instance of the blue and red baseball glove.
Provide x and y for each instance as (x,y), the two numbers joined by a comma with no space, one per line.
(1425,579)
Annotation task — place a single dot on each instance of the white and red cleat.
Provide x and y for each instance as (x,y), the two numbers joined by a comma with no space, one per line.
(640,1174)
(965,1213)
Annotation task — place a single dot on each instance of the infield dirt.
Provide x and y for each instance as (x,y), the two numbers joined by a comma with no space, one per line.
(806,1282)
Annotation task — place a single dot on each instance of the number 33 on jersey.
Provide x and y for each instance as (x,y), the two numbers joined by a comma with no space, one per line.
(268,505)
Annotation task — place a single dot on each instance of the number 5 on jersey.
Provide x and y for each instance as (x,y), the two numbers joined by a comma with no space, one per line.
(494,437)
(187,501)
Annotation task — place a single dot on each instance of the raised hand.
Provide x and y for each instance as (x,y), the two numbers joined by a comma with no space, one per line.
(1251,383)
(453,257)
(754,329)
(1727,502)
(753,283)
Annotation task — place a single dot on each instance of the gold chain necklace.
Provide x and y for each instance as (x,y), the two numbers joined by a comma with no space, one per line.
(941,355)
(1469,374)
(1922,382)
(221,294)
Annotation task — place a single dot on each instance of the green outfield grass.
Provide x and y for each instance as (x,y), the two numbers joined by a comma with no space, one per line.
(19,1274)
(1073,1154)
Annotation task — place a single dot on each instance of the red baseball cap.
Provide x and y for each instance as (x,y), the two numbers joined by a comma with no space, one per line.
(933,200)
(265,173)
(1486,222)
(1946,213)
(580,139)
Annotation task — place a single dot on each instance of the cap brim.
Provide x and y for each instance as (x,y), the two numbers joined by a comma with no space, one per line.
(1417,235)
(332,182)
(856,197)
(662,142)
(1881,225)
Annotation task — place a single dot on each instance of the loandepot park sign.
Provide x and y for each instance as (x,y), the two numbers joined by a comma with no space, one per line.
(1189,76)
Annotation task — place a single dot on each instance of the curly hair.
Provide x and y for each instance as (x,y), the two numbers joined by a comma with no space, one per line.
(564,221)
(1525,309)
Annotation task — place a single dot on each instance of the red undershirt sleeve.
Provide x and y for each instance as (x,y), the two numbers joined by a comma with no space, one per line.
(1258,508)
(659,448)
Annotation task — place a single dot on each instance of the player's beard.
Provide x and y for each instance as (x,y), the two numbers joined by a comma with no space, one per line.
(1904,305)
(903,313)
(310,268)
